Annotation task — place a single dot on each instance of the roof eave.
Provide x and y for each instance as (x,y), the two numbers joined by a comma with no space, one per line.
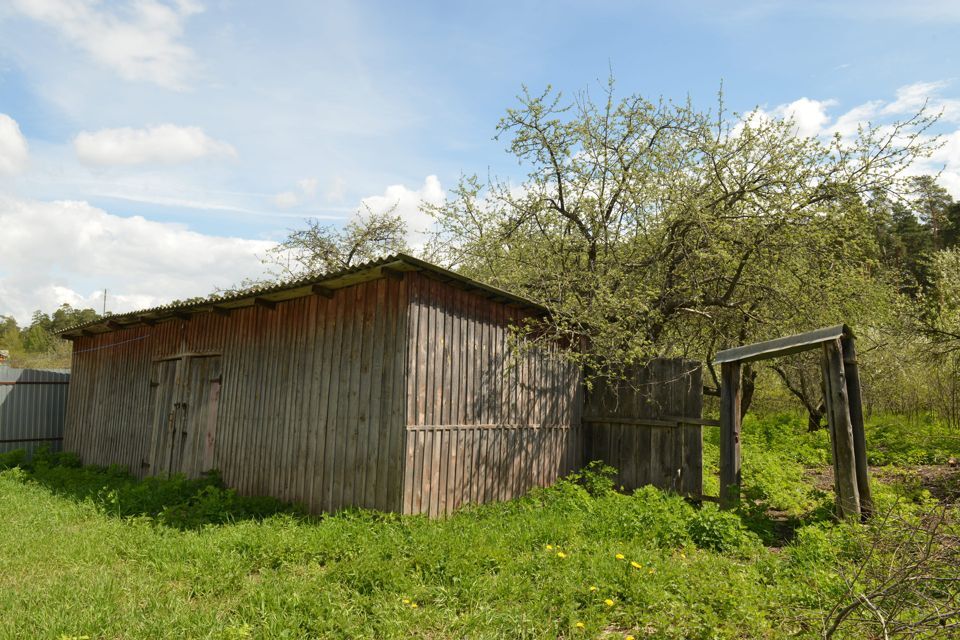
(390,266)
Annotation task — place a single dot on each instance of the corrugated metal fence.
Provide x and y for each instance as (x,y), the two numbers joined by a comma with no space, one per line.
(32,407)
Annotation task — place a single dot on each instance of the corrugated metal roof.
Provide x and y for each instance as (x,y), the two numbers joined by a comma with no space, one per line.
(291,289)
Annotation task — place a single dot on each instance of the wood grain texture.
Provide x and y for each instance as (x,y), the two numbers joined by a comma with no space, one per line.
(730,396)
(400,394)
(625,426)
(841,427)
(487,418)
(310,398)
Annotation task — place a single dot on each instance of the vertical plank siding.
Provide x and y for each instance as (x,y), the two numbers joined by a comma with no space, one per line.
(303,404)
(669,457)
(32,407)
(484,421)
(403,394)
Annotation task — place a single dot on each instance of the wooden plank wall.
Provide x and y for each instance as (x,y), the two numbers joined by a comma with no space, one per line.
(311,404)
(483,422)
(669,457)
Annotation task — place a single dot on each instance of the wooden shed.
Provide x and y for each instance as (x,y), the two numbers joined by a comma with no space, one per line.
(392,385)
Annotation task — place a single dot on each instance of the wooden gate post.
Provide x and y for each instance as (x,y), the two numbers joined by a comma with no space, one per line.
(841,430)
(730,381)
(855,398)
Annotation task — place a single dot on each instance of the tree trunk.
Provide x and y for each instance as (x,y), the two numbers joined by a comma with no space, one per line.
(748,385)
(814,417)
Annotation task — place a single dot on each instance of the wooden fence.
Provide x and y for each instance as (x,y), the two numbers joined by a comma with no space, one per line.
(649,426)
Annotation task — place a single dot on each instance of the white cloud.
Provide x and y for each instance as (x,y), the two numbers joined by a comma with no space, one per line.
(846,125)
(408,203)
(810,116)
(141,39)
(912,97)
(909,100)
(308,186)
(286,199)
(164,144)
(55,252)
(947,159)
(337,190)
(13,146)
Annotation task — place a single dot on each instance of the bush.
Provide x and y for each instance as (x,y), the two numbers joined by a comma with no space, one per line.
(177,501)
(596,477)
(891,440)
(11,459)
(720,531)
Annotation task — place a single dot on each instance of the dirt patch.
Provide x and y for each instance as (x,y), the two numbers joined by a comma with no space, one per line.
(942,481)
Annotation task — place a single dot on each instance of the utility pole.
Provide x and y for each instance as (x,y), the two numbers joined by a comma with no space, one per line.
(104,303)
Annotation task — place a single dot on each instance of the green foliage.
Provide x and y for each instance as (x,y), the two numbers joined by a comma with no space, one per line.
(596,477)
(176,502)
(652,227)
(518,569)
(720,530)
(36,345)
(776,451)
(320,248)
(11,459)
(927,441)
(92,551)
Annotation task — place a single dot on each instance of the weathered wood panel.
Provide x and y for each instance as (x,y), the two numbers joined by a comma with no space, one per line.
(406,394)
(485,420)
(310,397)
(635,427)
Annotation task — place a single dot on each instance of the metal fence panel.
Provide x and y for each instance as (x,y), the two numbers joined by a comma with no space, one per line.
(32,407)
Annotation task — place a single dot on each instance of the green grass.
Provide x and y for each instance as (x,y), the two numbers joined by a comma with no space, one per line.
(91,552)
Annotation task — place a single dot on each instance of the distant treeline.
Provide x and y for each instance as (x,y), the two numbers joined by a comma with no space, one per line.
(37,345)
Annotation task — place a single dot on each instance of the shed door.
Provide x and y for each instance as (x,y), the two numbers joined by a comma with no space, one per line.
(186,394)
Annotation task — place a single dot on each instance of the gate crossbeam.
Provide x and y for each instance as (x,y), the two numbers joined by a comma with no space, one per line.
(842,393)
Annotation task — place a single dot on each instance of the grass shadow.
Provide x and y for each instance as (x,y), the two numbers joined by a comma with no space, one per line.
(178,502)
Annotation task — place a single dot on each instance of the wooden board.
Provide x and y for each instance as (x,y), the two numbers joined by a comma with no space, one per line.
(626,427)
(297,401)
(484,422)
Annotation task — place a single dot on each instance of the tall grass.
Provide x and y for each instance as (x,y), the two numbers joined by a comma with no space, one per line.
(92,552)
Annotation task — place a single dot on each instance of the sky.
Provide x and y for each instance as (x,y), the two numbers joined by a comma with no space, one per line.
(158,148)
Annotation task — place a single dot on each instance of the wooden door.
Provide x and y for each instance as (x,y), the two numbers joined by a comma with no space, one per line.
(186,393)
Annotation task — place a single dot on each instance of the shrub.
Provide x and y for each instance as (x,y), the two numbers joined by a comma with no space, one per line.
(177,501)
(596,477)
(722,531)
(11,459)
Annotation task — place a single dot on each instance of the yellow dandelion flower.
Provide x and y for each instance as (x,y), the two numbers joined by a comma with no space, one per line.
(620,556)
(629,638)
(608,602)
(406,601)
(579,625)
(653,570)
(635,564)
(561,554)
(683,555)
(592,588)
(549,547)
(413,605)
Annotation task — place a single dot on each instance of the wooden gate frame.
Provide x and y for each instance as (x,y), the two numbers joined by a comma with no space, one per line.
(841,381)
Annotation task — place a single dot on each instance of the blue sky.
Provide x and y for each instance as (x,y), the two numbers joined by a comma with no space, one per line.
(156,148)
